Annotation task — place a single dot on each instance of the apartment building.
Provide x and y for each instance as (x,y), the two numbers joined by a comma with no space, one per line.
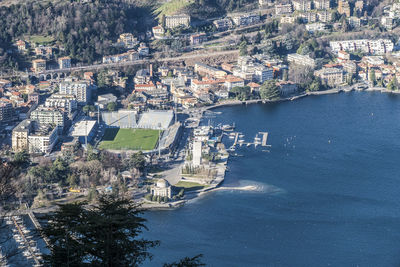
(373,47)
(62,101)
(304,60)
(283,9)
(127,40)
(301,5)
(47,115)
(223,24)
(39,65)
(6,111)
(322,4)
(344,7)
(64,62)
(331,76)
(19,138)
(246,19)
(42,139)
(206,70)
(174,21)
(80,89)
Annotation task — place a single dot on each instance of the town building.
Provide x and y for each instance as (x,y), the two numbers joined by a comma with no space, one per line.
(223,24)
(47,115)
(158,32)
(331,76)
(288,19)
(21,45)
(316,27)
(64,62)
(127,40)
(374,47)
(324,16)
(301,5)
(196,39)
(344,7)
(42,138)
(39,65)
(62,101)
(282,9)
(161,189)
(387,22)
(44,51)
(206,70)
(6,111)
(354,22)
(34,98)
(263,73)
(246,19)
(143,50)
(174,21)
(20,133)
(264,3)
(298,59)
(322,4)
(232,81)
(80,89)
(104,100)
(287,88)
(128,56)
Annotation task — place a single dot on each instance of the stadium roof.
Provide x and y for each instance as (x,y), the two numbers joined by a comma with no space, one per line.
(156,119)
(83,128)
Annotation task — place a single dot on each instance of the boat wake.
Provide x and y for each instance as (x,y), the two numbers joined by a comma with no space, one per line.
(253,186)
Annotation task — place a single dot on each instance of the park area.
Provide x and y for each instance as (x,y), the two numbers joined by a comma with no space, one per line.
(129,139)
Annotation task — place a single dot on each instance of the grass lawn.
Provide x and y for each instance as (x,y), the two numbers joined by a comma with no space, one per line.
(40,39)
(172,7)
(129,139)
(190,186)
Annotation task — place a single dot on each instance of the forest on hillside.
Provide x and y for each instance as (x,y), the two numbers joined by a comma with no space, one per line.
(85,30)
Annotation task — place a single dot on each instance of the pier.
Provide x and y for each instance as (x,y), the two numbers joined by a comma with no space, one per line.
(29,247)
(37,226)
(264,139)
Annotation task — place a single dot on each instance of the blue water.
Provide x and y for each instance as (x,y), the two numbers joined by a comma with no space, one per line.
(329,189)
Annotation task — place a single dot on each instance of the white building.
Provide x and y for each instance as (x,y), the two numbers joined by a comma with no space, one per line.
(66,102)
(262,74)
(42,139)
(177,20)
(304,60)
(162,189)
(316,27)
(197,147)
(374,47)
(80,89)
(246,19)
(45,115)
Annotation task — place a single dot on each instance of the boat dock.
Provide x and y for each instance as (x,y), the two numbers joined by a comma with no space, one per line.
(264,139)
(32,251)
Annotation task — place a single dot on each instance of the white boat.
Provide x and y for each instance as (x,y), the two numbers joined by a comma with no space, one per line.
(241,136)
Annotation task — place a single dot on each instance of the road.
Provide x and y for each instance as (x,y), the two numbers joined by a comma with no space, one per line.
(204,54)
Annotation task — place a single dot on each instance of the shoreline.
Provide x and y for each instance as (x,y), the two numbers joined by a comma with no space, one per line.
(217,187)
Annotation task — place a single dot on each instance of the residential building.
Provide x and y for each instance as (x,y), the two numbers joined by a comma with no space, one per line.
(263,73)
(206,70)
(39,65)
(374,47)
(104,100)
(324,16)
(158,32)
(354,22)
(387,22)
(143,50)
(20,133)
(21,45)
(301,5)
(287,88)
(282,9)
(174,21)
(80,89)
(129,56)
(264,3)
(64,62)
(288,19)
(298,59)
(6,111)
(246,19)
(42,139)
(308,17)
(127,40)
(233,81)
(47,115)
(44,51)
(62,101)
(322,4)
(33,98)
(223,24)
(316,27)
(196,39)
(331,76)
(344,7)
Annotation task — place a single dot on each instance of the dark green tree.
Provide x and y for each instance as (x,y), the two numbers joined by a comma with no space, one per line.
(111,106)
(243,49)
(393,84)
(269,90)
(103,234)
(187,262)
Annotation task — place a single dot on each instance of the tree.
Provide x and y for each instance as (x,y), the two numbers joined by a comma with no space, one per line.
(138,161)
(372,77)
(103,234)
(241,92)
(269,90)
(393,84)
(111,106)
(316,85)
(21,158)
(187,262)
(243,48)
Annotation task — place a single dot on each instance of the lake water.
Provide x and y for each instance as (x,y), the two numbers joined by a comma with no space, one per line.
(328,190)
